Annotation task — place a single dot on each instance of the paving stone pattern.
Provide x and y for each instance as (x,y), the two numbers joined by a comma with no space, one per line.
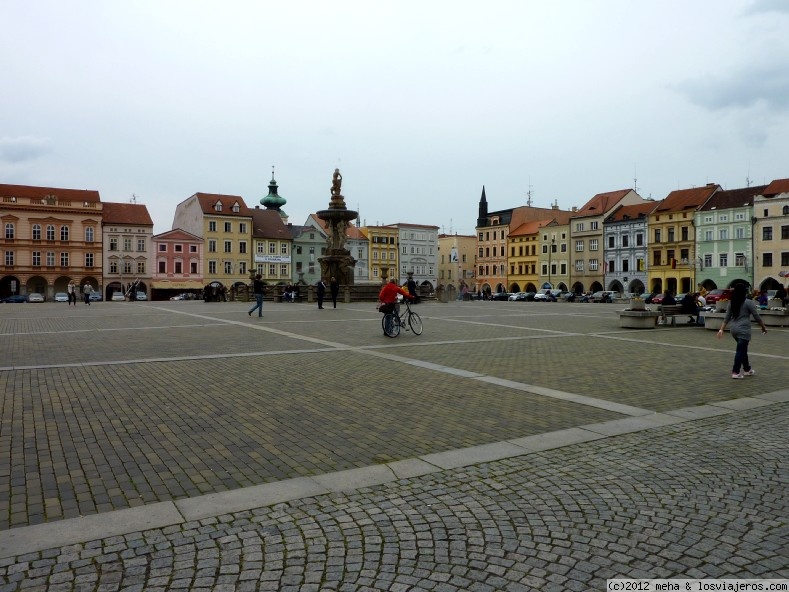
(119,405)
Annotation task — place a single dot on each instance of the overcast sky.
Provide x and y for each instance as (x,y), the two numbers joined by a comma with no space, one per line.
(419,103)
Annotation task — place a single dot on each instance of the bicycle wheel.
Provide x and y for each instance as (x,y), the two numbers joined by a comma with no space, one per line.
(415,322)
(391,325)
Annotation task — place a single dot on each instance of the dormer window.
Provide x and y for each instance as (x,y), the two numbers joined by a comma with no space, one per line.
(218,206)
(236,208)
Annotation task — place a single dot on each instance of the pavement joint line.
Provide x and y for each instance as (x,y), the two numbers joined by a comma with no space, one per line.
(28,539)
(675,345)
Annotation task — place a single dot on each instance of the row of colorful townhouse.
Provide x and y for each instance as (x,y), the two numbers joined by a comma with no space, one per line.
(702,236)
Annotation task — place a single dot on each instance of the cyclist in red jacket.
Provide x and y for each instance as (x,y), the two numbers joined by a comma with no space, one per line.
(388,296)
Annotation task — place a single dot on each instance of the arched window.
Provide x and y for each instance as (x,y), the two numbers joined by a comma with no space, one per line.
(64,233)
(36,231)
(51,232)
(89,234)
(9,230)
(786,210)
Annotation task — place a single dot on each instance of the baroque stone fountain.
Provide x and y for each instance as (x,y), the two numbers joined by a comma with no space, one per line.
(338,262)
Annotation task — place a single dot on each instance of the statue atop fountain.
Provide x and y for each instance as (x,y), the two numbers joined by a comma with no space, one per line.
(338,262)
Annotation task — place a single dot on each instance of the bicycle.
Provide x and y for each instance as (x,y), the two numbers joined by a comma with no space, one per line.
(392,322)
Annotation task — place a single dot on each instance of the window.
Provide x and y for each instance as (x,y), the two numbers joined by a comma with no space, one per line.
(723,218)
(228,246)
(724,259)
(625,265)
(88,259)
(36,258)
(670,235)
(480,252)
(708,219)
(283,270)
(50,258)
(193,248)
(657,235)
(611,267)
(739,259)
(242,227)
(593,264)
(228,267)
(212,226)
(784,259)
(611,242)
(683,232)
(784,232)
(140,267)
(63,259)
(113,267)
(739,216)
(641,264)
(564,247)
(656,257)
(193,267)
(242,247)
(178,248)
(375,255)
(739,232)
(283,249)
(579,227)
(767,233)
(708,260)
(272,248)
(89,234)
(708,234)
(64,233)
(113,244)
(544,249)
(36,231)
(242,268)
(212,246)
(298,250)
(228,227)
(162,267)
(767,259)
(127,266)
(212,267)
(593,225)
(593,244)
(563,268)
(272,270)
(723,233)
(178,267)
(625,240)
(639,240)
(162,247)
(218,206)
(579,265)
(9,231)
(140,245)
(127,242)
(579,246)
(50,232)
(9,258)
(236,208)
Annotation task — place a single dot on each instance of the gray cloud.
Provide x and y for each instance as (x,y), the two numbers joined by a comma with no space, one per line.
(762,6)
(762,85)
(23,148)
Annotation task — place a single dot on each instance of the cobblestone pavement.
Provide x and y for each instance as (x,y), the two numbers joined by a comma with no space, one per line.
(106,413)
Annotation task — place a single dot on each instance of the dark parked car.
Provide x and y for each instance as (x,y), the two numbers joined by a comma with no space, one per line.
(16,298)
(500,296)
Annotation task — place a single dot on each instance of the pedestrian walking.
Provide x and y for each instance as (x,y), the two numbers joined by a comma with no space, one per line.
(87,290)
(738,318)
(71,289)
(321,292)
(259,289)
(334,287)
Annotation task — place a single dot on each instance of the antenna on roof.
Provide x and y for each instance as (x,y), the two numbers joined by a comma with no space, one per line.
(528,195)
(133,199)
(450,226)
(635,179)
(748,176)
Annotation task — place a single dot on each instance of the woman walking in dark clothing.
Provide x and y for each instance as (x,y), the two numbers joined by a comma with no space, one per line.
(738,317)
(259,289)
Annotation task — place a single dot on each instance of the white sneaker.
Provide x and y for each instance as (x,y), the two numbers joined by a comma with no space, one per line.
(735,375)
(750,372)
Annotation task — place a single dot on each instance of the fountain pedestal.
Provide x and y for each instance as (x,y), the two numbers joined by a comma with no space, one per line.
(337,262)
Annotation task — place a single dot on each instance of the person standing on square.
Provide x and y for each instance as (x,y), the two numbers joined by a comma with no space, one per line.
(334,287)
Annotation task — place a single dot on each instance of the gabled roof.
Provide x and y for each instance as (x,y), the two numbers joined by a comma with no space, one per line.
(633,212)
(126,213)
(177,234)
(686,199)
(208,202)
(29,191)
(601,203)
(732,198)
(528,228)
(269,224)
(776,188)
(523,214)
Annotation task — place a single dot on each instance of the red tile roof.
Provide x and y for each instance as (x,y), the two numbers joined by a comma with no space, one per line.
(126,213)
(601,203)
(777,187)
(524,214)
(732,198)
(28,191)
(633,212)
(684,199)
(207,202)
(269,224)
(528,228)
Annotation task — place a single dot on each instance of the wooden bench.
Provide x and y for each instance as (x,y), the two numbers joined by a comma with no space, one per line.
(670,310)
(673,311)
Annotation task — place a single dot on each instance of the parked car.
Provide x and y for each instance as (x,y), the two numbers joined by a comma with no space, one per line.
(141,296)
(500,296)
(603,296)
(542,296)
(117,297)
(647,296)
(61,297)
(719,294)
(15,299)
(514,296)
(95,297)
(178,297)
(35,297)
(657,298)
